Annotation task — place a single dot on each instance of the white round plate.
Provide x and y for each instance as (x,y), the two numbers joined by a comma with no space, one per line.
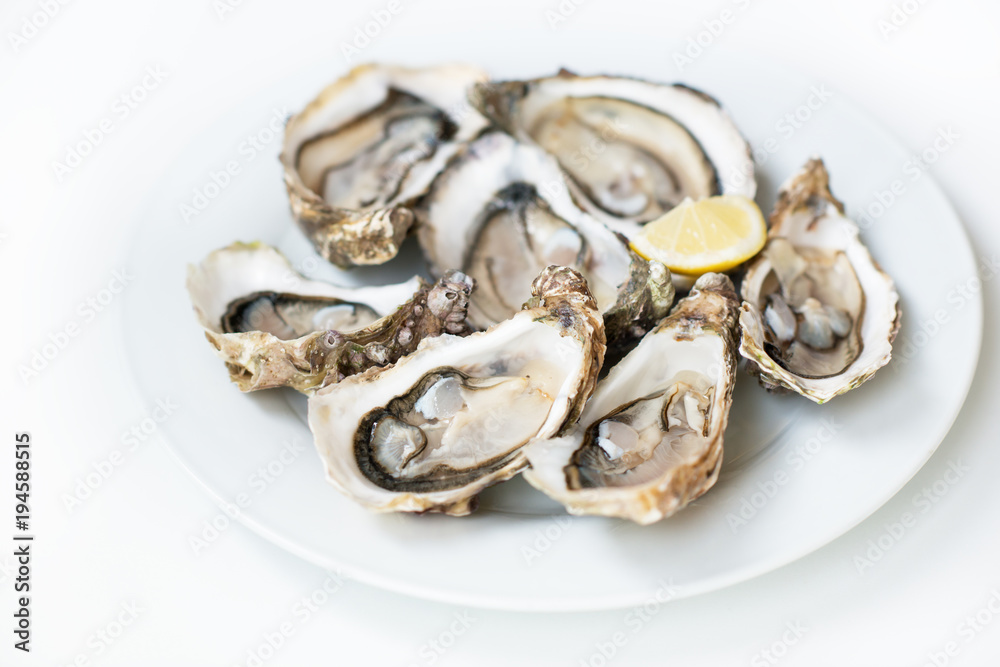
(795,475)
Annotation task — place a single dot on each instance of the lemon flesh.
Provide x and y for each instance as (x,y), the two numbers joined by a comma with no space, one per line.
(711,234)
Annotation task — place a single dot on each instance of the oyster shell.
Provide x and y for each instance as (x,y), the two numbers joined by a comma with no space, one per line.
(500,211)
(632,149)
(259,360)
(435,429)
(309,337)
(650,439)
(253,287)
(357,155)
(819,315)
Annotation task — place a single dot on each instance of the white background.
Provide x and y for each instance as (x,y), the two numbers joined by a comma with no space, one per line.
(60,240)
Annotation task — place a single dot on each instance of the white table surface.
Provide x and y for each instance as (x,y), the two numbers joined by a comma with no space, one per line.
(128,544)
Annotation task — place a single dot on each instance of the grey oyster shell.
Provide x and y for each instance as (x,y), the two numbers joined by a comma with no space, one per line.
(650,439)
(253,287)
(501,212)
(359,154)
(642,303)
(430,432)
(259,360)
(631,149)
(819,315)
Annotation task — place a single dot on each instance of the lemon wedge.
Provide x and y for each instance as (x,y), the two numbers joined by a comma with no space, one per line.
(711,234)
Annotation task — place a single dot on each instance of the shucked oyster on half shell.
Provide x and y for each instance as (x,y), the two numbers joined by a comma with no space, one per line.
(632,149)
(371,142)
(275,328)
(650,439)
(819,315)
(500,211)
(442,424)
(260,360)
(253,287)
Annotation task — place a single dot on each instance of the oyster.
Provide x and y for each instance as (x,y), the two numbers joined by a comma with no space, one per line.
(318,333)
(650,439)
(253,287)
(632,149)
(819,315)
(500,211)
(260,360)
(357,155)
(435,429)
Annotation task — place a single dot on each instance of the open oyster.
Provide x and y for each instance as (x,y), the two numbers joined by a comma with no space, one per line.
(632,149)
(253,287)
(260,360)
(371,142)
(819,315)
(501,212)
(442,424)
(314,333)
(650,439)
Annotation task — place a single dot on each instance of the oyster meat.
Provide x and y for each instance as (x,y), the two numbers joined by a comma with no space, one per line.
(819,315)
(650,439)
(442,424)
(307,338)
(631,149)
(500,211)
(358,155)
